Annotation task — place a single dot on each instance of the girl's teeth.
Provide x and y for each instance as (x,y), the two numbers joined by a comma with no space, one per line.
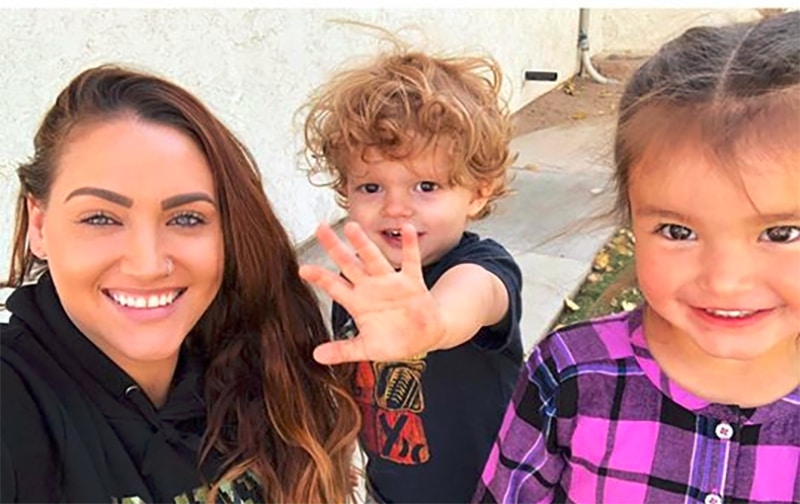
(731,313)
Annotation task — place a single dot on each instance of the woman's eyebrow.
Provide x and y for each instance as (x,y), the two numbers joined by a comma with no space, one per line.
(105,194)
(183,199)
(119,199)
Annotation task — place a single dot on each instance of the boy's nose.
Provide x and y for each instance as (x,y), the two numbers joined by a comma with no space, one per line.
(397,205)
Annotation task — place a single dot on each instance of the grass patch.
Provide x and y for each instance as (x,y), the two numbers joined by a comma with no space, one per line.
(611,285)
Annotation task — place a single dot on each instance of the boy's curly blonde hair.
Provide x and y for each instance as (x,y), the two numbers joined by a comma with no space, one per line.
(405,100)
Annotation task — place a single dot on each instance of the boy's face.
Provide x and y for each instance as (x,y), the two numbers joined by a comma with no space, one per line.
(383,194)
(718,252)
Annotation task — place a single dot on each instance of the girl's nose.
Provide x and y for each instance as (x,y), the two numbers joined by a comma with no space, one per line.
(728,268)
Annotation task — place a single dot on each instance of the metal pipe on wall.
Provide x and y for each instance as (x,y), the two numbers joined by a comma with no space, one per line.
(583,45)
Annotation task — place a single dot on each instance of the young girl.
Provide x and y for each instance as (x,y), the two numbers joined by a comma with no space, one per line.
(693,397)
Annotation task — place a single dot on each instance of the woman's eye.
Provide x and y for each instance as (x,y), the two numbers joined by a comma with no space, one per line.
(676,232)
(427,186)
(187,219)
(781,234)
(368,188)
(99,219)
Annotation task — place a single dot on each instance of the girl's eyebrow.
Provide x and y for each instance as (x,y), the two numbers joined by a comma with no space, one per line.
(119,199)
(779,217)
(651,211)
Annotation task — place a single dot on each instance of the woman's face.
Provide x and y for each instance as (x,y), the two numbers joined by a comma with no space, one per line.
(132,237)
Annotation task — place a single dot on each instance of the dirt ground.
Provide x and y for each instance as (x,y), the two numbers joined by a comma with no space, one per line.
(578,98)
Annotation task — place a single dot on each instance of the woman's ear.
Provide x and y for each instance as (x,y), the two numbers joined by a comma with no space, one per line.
(36,233)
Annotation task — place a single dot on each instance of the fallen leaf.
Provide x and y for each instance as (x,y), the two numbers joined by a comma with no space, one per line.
(531,167)
(621,245)
(578,115)
(572,305)
(601,261)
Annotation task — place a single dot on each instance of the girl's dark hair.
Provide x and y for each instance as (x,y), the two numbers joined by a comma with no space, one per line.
(272,410)
(727,87)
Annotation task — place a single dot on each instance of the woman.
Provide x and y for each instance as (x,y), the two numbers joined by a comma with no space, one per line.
(162,349)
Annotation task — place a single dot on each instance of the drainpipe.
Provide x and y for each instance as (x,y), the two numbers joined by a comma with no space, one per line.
(583,45)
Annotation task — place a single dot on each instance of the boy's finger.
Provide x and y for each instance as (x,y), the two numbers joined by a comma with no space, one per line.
(338,288)
(371,256)
(412,260)
(339,352)
(349,264)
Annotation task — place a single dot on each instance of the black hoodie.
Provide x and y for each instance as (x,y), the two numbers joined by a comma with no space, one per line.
(76,428)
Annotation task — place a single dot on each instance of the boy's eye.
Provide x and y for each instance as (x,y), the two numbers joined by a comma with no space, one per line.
(368,188)
(781,234)
(427,186)
(99,219)
(187,219)
(676,232)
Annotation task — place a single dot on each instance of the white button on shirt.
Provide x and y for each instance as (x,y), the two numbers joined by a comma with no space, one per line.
(712,498)
(724,431)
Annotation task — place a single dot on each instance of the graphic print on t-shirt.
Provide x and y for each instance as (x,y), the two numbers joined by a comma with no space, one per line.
(391,399)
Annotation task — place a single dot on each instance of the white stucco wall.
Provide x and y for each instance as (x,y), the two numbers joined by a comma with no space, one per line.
(640,32)
(253,67)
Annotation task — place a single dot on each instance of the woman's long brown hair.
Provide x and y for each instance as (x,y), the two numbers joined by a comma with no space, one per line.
(273,412)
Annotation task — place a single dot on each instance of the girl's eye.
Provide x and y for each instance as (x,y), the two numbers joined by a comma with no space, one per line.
(99,219)
(427,186)
(187,219)
(369,188)
(781,234)
(676,232)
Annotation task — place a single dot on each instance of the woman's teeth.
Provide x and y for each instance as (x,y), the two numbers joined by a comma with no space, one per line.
(152,301)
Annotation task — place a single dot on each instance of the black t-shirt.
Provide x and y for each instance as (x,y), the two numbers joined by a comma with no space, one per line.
(429,424)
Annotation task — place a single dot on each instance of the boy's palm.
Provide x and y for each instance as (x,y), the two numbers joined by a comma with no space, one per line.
(396,314)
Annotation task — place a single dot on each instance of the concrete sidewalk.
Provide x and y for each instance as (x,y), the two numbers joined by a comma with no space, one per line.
(561,180)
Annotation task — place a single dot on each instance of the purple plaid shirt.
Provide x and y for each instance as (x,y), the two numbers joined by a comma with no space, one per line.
(593,419)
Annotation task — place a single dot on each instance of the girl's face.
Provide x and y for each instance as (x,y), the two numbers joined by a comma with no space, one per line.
(132,237)
(718,250)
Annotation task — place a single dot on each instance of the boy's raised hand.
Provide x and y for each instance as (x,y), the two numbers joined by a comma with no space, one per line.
(396,315)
